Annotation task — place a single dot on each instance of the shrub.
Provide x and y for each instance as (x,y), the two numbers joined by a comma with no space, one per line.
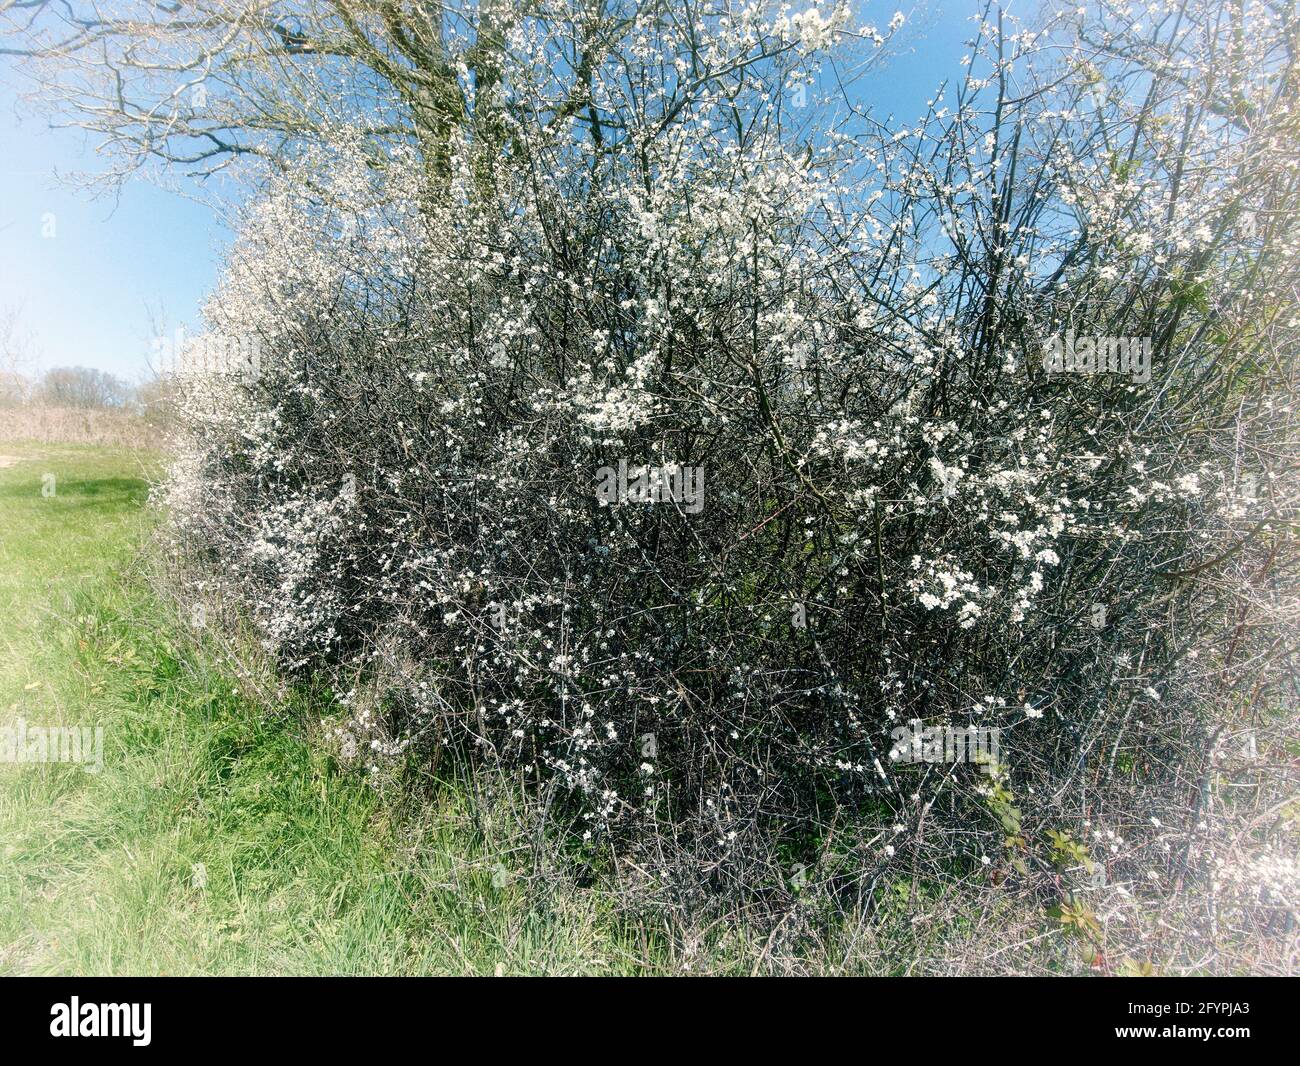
(901,482)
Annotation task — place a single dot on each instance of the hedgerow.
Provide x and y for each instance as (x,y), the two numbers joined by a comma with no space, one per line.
(799,505)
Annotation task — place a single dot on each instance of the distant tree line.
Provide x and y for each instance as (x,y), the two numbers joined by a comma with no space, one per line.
(68,386)
(80,386)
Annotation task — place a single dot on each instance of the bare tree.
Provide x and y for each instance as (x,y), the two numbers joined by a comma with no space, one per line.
(200,85)
(79,386)
(15,358)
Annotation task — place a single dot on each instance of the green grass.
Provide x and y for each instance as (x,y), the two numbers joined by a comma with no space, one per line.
(304,869)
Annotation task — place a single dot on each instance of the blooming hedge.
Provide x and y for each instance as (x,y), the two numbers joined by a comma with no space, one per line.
(459,476)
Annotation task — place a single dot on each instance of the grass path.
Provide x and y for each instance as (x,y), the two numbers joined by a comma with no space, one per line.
(216,838)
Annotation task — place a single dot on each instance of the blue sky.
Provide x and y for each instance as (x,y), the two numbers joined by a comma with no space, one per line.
(84,272)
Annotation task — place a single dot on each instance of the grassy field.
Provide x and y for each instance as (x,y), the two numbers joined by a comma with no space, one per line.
(217,837)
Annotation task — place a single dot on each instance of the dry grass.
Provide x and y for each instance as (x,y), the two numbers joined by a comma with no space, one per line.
(69,425)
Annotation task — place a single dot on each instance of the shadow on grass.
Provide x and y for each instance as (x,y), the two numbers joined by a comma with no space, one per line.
(99,493)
